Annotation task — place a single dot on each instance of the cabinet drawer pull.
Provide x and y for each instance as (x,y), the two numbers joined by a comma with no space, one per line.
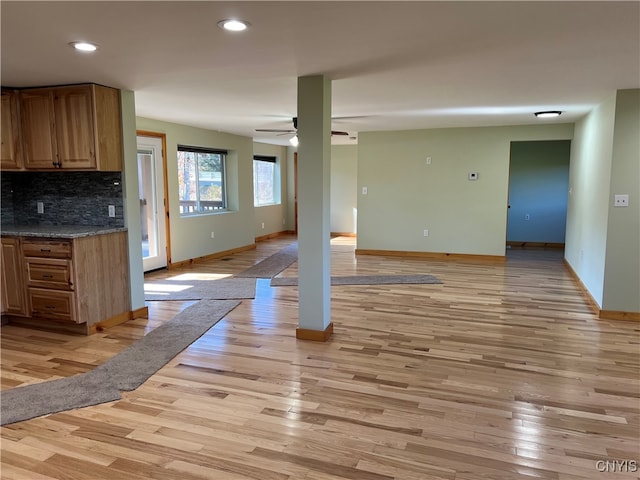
(50,307)
(47,276)
(45,250)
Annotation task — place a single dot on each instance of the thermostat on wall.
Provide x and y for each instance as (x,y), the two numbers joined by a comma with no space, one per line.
(473,175)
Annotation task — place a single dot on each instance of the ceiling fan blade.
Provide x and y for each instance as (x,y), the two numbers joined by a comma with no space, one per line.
(338,132)
(279,130)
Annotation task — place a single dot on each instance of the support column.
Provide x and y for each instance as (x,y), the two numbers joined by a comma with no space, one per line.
(314,157)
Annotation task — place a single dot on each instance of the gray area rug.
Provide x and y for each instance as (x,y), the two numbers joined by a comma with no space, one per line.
(364,280)
(126,371)
(221,289)
(273,265)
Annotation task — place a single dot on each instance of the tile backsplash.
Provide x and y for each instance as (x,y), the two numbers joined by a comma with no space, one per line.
(68,198)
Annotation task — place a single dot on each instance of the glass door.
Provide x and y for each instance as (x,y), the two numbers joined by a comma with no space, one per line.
(151,188)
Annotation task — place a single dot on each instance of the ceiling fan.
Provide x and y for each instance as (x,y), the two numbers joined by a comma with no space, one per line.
(295,129)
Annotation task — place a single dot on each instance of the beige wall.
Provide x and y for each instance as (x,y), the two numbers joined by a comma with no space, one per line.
(406,196)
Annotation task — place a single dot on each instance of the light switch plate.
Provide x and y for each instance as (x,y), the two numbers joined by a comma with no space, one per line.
(112,210)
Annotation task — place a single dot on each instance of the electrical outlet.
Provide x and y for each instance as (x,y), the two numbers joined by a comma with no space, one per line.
(262,225)
(40,206)
(112,210)
(621,201)
(426,232)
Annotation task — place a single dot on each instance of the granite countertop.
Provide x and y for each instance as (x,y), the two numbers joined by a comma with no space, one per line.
(57,231)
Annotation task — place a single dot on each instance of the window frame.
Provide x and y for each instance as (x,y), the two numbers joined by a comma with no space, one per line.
(223,181)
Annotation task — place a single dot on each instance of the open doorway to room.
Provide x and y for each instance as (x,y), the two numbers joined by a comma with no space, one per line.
(153,205)
(538,193)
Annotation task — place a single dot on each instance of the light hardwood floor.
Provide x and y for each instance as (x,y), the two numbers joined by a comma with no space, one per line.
(501,372)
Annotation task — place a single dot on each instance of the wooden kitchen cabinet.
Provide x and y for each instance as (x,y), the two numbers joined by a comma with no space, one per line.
(70,283)
(38,131)
(11,154)
(50,278)
(13,290)
(76,127)
(80,280)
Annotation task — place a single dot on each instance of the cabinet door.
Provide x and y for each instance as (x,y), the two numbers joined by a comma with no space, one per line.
(13,286)
(11,158)
(74,121)
(38,132)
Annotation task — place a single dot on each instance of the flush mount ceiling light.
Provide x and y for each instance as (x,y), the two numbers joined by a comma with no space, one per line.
(234,25)
(294,140)
(84,46)
(548,114)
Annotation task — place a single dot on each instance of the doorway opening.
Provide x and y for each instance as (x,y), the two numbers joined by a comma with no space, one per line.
(538,194)
(154,212)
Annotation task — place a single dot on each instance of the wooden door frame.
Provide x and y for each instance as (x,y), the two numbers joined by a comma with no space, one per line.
(295,192)
(163,139)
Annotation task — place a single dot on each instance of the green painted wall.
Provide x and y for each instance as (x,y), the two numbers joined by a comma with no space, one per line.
(273,216)
(344,188)
(132,198)
(622,265)
(405,196)
(589,185)
(538,191)
(191,236)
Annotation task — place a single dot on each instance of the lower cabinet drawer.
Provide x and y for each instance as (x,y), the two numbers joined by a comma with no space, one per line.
(52,304)
(49,273)
(46,248)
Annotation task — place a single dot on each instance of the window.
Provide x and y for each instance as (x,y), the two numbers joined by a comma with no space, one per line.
(265,181)
(201,180)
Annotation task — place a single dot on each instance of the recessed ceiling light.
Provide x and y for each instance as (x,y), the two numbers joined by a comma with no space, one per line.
(234,25)
(84,46)
(548,114)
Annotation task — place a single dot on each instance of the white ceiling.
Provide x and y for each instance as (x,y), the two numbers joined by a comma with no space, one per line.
(394,65)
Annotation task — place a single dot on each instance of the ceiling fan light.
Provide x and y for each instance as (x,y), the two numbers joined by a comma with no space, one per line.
(294,140)
(233,25)
(84,46)
(548,114)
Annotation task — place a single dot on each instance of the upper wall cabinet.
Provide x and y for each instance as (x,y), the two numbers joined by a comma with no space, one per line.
(11,158)
(74,127)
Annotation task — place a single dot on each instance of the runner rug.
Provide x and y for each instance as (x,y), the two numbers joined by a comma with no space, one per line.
(273,265)
(124,372)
